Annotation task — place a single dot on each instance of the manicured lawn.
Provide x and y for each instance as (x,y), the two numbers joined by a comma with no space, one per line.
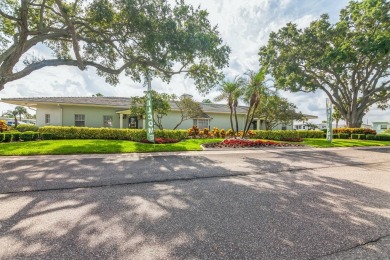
(322,143)
(96,146)
(120,146)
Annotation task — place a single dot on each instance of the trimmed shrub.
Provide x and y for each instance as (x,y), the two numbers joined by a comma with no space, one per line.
(15,136)
(362,137)
(29,136)
(282,134)
(72,132)
(354,136)
(26,127)
(370,137)
(335,136)
(1,137)
(351,131)
(344,136)
(382,137)
(7,137)
(46,136)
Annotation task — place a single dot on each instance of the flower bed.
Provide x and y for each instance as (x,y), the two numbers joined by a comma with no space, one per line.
(242,143)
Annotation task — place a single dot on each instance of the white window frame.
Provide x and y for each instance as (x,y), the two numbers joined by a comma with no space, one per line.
(202,120)
(79,118)
(47,118)
(107,121)
(383,127)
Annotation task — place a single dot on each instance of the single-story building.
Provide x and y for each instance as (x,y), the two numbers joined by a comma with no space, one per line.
(380,127)
(114,112)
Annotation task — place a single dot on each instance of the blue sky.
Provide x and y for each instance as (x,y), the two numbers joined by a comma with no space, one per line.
(243,25)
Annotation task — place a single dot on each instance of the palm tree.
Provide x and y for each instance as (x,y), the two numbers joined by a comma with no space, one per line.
(20,111)
(15,113)
(231,91)
(336,116)
(253,90)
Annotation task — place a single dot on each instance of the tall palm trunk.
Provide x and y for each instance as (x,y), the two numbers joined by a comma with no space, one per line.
(235,117)
(231,118)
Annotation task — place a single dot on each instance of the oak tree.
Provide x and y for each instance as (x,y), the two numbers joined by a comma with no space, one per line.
(348,60)
(136,37)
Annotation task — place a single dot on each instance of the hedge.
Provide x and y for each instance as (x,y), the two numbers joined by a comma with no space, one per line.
(72,132)
(29,136)
(282,134)
(382,137)
(5,137)
(351,131)
(26,127)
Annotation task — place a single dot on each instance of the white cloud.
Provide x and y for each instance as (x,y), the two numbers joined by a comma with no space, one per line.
(244,26)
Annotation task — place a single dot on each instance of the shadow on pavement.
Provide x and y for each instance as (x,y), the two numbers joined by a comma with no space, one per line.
(272,215)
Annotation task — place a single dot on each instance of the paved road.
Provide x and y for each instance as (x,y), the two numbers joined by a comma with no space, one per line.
(255,204)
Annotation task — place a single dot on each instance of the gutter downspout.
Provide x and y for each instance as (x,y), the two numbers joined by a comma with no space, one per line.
(62,114)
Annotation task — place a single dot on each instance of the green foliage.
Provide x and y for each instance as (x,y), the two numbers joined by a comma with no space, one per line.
(161,106)
(46,136)
(26,127)
(361,137)
(276,110)
(349,60)
(15,136)
(283,134)
(6,137)
(370,137)
(354,136)
(59,132)
(145,36)
(350,131)
(29,136)
(188,108)
(382,137)
(231,91)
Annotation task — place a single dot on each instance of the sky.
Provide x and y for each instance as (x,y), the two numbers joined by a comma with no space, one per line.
(243,25)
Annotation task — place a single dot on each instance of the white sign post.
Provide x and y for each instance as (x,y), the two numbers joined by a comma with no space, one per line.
(149,113)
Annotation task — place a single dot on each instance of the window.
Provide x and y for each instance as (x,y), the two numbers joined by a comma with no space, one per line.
(107,121)
(47,118)
(383,127)
(79,120)
(202,123)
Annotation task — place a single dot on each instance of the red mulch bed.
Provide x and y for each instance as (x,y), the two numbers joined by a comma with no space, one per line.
(242,143)
(161,141)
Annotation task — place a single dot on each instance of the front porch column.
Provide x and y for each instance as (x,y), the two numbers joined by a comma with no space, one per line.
(258,124)
(120,120)
(143,123)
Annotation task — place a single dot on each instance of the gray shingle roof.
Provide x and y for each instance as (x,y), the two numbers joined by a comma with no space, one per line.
(120,102)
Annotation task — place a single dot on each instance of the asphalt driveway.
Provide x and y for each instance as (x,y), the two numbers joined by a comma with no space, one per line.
(253,204)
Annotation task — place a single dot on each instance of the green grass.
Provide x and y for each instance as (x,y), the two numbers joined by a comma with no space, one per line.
(96,146)
(322,143)
(120,146)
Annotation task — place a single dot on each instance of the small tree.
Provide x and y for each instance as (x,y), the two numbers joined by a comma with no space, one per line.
(161,106)
(276,110)
(188,108)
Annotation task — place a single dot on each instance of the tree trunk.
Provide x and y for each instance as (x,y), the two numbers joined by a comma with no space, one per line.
(235,117)
(231,118)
